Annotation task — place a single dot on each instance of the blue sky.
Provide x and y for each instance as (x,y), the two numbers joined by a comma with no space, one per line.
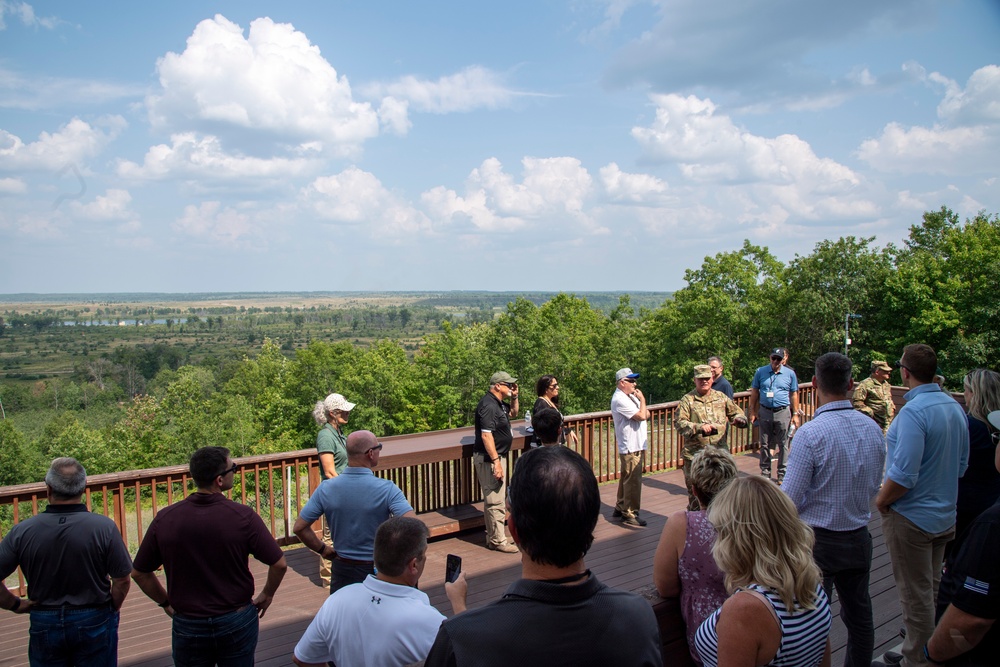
(578,146)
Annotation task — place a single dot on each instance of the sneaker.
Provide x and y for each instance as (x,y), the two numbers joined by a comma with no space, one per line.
(765,473)
(633,520)
(892,658)
(505,548)
(617,514)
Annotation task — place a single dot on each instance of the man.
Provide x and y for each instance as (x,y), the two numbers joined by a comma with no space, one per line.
(354,503)
(833,473)
(927,451)
(873,395)
(702,418)
(388,602)
(77,568)
(203,543)
(628,410)
(548,426)
(489,455)
(333,413)
(966,633)
(558,613)
(719,381)
(774,405)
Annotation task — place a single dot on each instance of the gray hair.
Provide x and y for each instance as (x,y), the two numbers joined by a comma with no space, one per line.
(319,413)
(67,478)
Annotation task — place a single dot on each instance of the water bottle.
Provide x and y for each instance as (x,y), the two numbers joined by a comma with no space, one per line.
(527,420)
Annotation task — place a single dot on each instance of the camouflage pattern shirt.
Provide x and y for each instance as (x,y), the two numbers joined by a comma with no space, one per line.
(694,410)
(874,398)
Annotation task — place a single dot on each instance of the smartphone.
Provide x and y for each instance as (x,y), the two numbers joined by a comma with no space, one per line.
(452,568)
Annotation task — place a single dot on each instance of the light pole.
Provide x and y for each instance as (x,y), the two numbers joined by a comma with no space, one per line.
(847,328)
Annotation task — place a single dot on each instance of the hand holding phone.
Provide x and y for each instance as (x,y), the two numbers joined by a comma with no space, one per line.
(452,568)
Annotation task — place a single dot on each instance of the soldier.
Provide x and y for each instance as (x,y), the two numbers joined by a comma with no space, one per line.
(702,419)
(873,395)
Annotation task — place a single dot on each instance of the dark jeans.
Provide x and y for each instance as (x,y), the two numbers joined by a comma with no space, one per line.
(83,637)
(344,574)
(228,640)
(845,559)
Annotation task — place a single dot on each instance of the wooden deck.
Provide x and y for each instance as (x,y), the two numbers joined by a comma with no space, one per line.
(622,557)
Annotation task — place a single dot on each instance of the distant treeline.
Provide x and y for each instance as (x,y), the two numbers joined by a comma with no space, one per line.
(143,406)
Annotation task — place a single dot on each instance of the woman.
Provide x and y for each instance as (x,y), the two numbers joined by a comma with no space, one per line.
(778,613)
(683,564)
(979,488)
(332,414)
(547,389)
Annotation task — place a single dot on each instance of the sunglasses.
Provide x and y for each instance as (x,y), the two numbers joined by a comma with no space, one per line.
(629,380)
(227,471)
(374,449)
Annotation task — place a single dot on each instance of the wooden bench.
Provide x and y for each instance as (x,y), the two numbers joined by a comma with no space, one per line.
(449,521)
(673,639)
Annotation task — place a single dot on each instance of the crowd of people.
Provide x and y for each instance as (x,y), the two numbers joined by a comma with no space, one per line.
(754,560)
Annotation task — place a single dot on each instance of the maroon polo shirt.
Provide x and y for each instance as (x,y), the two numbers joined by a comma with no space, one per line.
(203,543)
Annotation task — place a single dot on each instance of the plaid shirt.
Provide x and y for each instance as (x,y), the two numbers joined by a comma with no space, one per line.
(835,468)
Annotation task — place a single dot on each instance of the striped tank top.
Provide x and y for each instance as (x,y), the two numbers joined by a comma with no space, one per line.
(803,632)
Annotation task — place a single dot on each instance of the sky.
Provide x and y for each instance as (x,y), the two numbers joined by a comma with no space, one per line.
(585,145)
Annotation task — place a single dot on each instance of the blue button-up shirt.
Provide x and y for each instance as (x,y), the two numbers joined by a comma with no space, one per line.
(835,468)
(928,450)
(783,384)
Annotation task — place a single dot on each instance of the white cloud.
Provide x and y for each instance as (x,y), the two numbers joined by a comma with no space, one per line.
(26,13)
(637,188)
(112,205)
(192,156)
(19,91)
(472,88)
(74,142)
(495,202)
(212,222)
(393,115)
(12,186)
(355,196)
(273,80)
(966,141)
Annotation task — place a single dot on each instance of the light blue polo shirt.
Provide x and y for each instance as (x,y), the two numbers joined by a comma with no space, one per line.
(783,384)
(355,504)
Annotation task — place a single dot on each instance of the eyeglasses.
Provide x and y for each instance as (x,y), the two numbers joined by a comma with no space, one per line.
(227,471)
(374,449)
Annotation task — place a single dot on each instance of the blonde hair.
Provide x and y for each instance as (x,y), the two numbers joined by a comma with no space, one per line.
(983,387)
(712,469)
(761,540)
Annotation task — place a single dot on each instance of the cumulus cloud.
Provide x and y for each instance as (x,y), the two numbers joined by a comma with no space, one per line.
(18,91)
(392,113)
(215,223)
(472,88)
(637,188)
(964,141)
(112,205)
(357,197)
(272,80)
(192,156)
(12,186)
(494,201)
(76,141)
(26,14)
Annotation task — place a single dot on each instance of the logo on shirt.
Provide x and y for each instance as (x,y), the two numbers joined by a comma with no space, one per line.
(376,599)
(977,586)
(62,519)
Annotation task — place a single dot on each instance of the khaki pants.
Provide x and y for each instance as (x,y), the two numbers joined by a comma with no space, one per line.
(324,564)
(494,499)
(630,483)
(916,558)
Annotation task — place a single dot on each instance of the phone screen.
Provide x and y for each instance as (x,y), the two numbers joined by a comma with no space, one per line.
(452,568)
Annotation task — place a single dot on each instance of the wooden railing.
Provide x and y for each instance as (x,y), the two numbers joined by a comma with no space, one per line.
(434,471)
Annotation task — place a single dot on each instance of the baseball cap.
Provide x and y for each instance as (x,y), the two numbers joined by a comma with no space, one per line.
(625,373)
(502,376)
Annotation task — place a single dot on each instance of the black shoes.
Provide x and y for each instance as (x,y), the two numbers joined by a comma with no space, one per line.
(617,514)
(633,520)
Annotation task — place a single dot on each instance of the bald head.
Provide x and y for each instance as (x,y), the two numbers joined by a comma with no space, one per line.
(361,449)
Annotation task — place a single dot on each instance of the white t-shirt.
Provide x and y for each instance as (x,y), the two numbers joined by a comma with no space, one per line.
(630,433)
(371,624)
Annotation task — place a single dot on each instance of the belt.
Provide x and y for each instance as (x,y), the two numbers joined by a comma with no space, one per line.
(349,561)
(69,607)
(827,531)
(783,407)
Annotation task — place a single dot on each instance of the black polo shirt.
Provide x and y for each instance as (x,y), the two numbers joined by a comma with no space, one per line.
(492,415)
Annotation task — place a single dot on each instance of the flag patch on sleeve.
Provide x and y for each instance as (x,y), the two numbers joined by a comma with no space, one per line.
(977,586)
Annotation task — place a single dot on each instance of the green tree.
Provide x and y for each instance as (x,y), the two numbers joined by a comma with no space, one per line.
(15,466)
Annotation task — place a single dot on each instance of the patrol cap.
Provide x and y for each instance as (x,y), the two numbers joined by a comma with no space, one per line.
(502,376)
(625,373)
(702,371)
(881,366)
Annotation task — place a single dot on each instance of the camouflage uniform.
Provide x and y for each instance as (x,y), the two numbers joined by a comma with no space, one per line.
(694,410)
(874,398)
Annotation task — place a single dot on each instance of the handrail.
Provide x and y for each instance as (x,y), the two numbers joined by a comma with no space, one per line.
(433,469)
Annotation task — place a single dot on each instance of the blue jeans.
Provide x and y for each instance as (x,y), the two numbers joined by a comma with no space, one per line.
(66,637)
(229,640)
(344,574)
